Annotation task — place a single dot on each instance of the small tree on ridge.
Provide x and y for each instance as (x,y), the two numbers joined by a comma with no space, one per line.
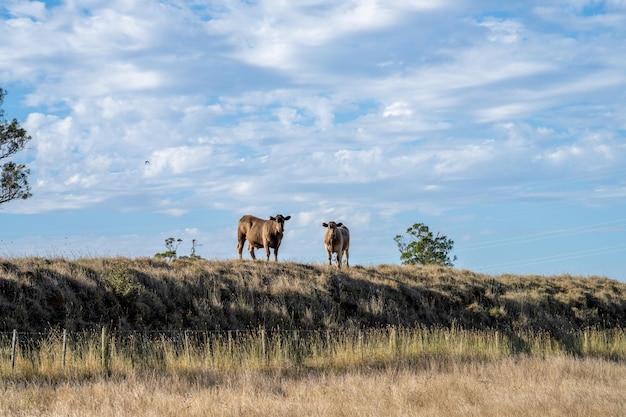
(171,244)
(421,247)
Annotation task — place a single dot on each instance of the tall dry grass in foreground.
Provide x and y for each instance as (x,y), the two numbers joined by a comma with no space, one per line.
(56,358)
(384,372)
(515,386)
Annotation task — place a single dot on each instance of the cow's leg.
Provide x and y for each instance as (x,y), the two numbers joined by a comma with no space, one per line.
(242,240)
(339,253)
(347,257)
(330,257)
(251,250)
(267,252)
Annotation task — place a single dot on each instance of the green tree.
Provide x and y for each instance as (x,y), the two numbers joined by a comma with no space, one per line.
(421,247)
(171,245)
(13,138)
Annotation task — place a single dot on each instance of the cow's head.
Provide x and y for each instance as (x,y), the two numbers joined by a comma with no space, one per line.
(280,221)
(332,227)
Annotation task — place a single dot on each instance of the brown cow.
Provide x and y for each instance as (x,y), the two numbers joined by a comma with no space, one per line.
(337,240)
(261,234)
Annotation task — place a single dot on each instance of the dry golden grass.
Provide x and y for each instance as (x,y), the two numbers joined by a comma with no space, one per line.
(516,386)
(58,358)
(147,294)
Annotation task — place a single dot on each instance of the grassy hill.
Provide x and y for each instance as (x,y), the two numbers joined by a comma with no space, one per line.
(37,294)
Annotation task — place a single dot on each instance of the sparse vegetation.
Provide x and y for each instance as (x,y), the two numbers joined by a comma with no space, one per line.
(149,294)
(202,332)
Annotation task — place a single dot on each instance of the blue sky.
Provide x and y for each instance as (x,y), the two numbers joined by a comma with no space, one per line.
(501,125)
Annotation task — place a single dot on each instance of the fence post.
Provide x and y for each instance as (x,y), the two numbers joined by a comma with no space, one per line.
(263,342)
(64,348)
(276,343)
(329,347)
(297,350)
(187,348)
(361,348)
(393,341)
(230,343)
(13,349)
(102,347)
(497,342)
(105,350)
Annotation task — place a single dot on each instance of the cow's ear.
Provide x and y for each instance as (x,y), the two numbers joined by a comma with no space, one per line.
(339,224)
(288,217)
(272,218)
(325,224)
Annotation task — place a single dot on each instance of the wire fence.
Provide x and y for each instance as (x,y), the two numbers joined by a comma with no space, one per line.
(105,351)
(261,343)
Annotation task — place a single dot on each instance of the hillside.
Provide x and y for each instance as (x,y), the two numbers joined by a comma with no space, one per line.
(37,294)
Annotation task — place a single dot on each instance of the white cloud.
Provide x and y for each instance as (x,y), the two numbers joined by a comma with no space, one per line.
(397,109)
(564,153)
(591,152)
(271,34)
(174,212)
(505,31)
(27,9)
(574,16)
(178,160)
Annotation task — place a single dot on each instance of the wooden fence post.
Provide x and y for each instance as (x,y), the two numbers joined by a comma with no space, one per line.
(105,350)
(13,350)
(329,346)
(64,348)
(361,347)
(263,342)
(102,347)
(187,348)
(230,343)
(297,350)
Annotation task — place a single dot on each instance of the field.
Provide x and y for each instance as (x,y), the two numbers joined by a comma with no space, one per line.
(389,372)
(143,337)
(517,386)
